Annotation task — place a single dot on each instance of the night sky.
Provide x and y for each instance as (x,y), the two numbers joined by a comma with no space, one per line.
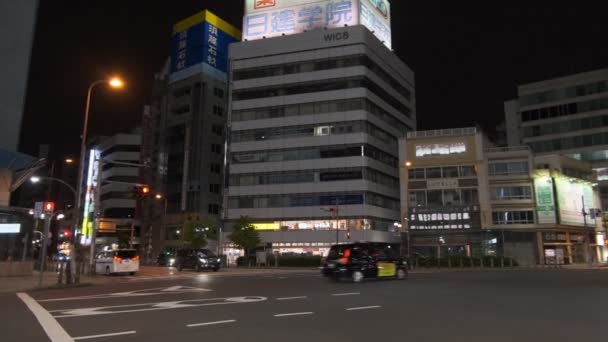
(468,59)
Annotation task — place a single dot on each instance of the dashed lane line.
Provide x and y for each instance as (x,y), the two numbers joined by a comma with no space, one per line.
(292,298)
(346,294)
(210,323)
(294,314)
(105,335)
(364,308)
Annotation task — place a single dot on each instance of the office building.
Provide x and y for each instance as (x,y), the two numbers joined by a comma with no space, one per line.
(566,115)
(185,128)
(315,116)
(114,202)
(462,196)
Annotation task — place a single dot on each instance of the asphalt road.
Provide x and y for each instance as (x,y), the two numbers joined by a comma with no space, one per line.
(556,305)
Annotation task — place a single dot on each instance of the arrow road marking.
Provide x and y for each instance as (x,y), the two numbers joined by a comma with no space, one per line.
(138,293)
(118,309)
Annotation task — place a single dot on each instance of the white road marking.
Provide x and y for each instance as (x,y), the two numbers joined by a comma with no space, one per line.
(138,293)
(364,308)
(294,314)
(104,335)
(210,323)
(51,327)
(346,294)
(291,298)
(107,310)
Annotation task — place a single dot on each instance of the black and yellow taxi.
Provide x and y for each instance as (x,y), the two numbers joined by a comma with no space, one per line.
(360,261)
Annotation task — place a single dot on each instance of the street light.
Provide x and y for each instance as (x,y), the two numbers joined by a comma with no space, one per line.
(115,83)
(35,179)
(69,161)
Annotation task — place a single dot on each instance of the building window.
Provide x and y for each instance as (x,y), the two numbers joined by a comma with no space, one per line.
(513,217)
(416,173)
(467,171)
(214,188)
(216,148)
(213,209)
(417,198)
(218,92)
(450,172)
(512,193)
(217,110)
(215,168)
(434,172)
(509,169)
(434,198)
(217,130)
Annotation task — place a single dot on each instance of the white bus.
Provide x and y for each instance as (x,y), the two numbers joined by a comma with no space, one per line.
(118,261)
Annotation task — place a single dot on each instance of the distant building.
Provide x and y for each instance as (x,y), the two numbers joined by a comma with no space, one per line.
(461,196)
(16,39)
(315,116)
(566,115)
(117,206)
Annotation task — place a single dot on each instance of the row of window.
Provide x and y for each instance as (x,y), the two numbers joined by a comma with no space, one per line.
(508,168)
(443,172)
(566,126)
(312,200)
(439,198)
(511,193)
(565,93)
(311,176)
(570,142)
(564,109)
(324,64)
(513,217)
(338,128)
(308,153)
(320,108)
(120,148)
(319,87)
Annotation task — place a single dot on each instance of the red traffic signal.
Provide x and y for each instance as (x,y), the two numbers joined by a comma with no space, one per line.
(49,207)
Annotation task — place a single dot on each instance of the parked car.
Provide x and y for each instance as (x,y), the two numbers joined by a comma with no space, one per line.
(166,259)
(359,261)
(197,259)
(118,261)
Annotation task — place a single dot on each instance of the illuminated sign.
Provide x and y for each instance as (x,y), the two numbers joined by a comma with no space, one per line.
(441,149)
(445,183)
(88,217)
(600,240)
(545,200)
(570,196)
(200,45)
(273,18)
(10,228)
(266,226)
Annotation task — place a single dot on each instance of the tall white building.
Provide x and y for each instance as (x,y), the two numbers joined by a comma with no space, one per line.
(315,118)
(566,115)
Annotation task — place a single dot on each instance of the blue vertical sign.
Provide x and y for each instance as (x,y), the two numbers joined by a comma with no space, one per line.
(200,45)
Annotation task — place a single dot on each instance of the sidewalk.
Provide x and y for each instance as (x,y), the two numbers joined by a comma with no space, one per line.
(20,284)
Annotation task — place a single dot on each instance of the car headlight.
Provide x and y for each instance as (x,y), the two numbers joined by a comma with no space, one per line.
(204,261)
(171,261)
(219,260)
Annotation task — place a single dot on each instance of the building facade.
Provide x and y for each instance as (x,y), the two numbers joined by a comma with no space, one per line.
(186,128)
(566,115)
(116,203)
(461,195)
(314,121)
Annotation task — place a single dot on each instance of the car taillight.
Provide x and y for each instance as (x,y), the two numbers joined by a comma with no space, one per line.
(117,259)
(344,260)
(136,258)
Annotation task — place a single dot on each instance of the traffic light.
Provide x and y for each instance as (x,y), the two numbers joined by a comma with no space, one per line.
(49,207)
(64,234)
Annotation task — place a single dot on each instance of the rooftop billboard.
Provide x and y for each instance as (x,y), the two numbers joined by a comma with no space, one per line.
(273,18)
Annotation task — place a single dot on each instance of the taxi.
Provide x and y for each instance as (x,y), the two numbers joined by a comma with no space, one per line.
(360,261)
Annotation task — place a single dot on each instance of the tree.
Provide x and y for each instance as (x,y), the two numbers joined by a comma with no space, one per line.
(195,233)
(244,235)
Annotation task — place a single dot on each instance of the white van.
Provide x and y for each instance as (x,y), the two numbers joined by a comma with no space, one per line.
(118,261)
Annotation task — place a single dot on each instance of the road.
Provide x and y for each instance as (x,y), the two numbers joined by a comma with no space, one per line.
(556,305)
